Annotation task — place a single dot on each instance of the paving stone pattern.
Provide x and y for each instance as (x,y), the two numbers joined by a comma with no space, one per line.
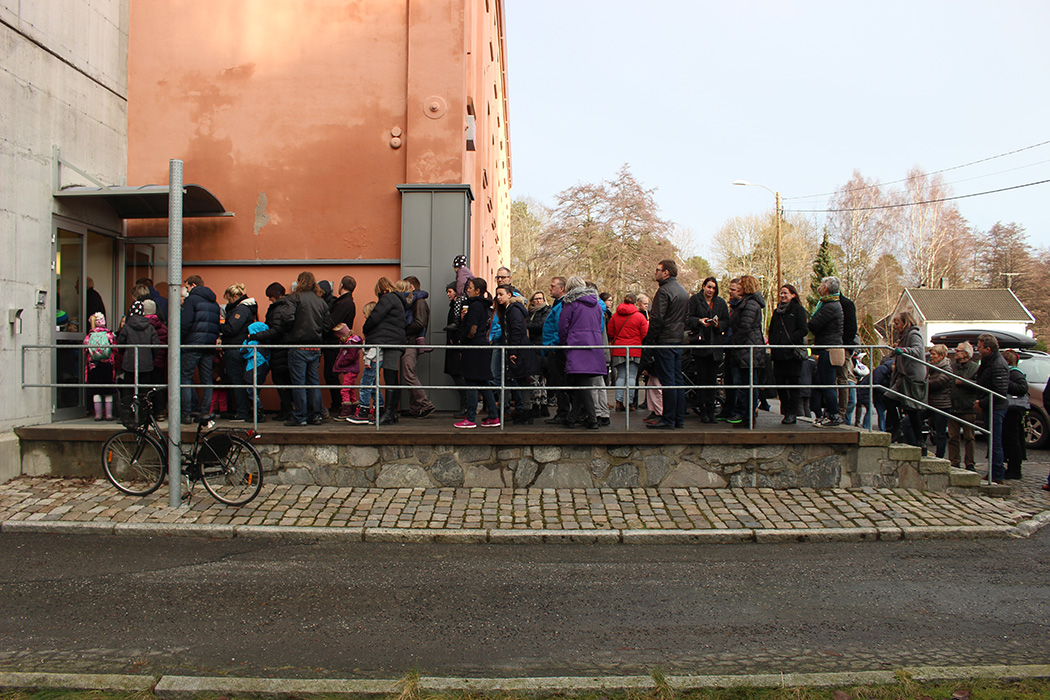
(35,499)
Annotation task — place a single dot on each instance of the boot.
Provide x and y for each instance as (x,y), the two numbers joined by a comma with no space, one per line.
(619,407)
(522,417)
(388,417)
(98,407)
(109,408)
(346,411)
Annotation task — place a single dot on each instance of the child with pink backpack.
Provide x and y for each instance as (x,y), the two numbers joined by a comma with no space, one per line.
(348,366)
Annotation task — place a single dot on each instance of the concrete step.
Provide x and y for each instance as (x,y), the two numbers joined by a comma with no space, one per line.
(1000,490)
(963,478)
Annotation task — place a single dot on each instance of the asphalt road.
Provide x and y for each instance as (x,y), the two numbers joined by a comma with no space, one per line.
(263,608)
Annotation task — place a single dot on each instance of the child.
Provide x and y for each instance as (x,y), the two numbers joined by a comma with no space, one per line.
(348,366)
(256,368)
(219,407)
(366,412)
(101,364)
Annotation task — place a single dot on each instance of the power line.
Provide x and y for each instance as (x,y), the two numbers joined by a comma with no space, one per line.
(935,172)
(914,204)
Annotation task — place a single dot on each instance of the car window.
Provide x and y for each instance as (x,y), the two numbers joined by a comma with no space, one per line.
(1036,369)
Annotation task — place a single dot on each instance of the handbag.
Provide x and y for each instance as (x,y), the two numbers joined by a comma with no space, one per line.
(837,356)
(916,393)
(1018,403)
(797,353)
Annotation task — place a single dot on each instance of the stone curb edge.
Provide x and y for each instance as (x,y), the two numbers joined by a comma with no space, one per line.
(188,687)
(530,536)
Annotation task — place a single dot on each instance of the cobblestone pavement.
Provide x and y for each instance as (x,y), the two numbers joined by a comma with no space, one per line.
(377,513)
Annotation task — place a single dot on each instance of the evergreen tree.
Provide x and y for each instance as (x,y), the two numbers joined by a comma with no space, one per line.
(823,266)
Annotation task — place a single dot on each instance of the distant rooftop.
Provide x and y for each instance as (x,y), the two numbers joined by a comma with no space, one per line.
(969,305)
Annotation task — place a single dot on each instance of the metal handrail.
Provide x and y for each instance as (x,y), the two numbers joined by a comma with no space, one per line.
(502,387)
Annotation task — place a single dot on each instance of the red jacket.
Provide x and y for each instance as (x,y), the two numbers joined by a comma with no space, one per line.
(627,326)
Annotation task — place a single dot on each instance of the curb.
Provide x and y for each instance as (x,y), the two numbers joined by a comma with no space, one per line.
(188,687)
(405,535)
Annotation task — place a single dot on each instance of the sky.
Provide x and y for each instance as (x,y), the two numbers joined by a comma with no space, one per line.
(793,95)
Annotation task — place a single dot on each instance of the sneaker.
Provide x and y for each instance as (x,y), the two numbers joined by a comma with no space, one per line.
(490,423)
(293,423)
(238,419)
(425,412)
(362,416)
(317,420)
(1045,487)
(735,420)
(465,424)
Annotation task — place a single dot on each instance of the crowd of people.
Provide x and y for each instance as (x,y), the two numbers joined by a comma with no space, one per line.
(558,353)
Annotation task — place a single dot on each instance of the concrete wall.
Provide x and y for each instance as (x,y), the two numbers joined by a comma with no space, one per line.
(875,463)
(62,83)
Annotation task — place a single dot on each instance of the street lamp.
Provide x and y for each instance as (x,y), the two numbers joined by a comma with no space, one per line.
(745,183)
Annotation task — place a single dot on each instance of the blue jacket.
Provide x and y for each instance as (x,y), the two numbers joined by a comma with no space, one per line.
(200,318)
(550,324)
(251,354)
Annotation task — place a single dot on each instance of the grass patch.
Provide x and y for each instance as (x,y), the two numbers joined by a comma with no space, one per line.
(905,688)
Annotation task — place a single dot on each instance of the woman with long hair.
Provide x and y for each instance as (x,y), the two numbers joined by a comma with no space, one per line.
(788,326)
(386,326)
(746,363)
(477,355)
(522,362)
(707,320)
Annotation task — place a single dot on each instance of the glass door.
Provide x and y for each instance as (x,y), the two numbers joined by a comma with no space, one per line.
(84,282)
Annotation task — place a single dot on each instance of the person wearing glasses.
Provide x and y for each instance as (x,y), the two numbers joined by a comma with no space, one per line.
(667,327)
(503,277)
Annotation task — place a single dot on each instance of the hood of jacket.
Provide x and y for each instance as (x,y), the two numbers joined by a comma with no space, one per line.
(757,296)
(626,309)
(257,327)
(203,292)
(585,295)
(138,322)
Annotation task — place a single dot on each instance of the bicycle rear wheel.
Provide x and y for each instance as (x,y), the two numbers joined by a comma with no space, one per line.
(134,462)
(236,476)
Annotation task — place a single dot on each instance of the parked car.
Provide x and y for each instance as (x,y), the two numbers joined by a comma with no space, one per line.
(1036,367)
(1007,339)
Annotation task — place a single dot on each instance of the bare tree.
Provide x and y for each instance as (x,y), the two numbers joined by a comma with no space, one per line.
(528,219)
(934,239)
(860,225)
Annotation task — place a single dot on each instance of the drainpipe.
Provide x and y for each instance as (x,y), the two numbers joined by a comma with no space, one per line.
(174,445)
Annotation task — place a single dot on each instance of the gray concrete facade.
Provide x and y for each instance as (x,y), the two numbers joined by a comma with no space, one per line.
(63,84)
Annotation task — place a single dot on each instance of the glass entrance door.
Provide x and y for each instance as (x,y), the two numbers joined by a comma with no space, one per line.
(85,282)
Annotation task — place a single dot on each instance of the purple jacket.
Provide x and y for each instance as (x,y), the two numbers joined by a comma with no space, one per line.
(581,323)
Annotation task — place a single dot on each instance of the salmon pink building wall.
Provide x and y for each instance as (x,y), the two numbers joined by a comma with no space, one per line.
(303,117)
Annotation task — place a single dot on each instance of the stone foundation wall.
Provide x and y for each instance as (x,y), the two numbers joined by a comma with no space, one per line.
(874,463)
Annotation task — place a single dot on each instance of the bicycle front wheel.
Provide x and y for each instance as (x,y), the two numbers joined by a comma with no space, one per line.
(236,477)
(134,462)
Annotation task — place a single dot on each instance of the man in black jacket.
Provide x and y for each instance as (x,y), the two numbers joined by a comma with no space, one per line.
(667,327)
(419,405)
(200,326)
(343,310)
(993,374)
(844,375)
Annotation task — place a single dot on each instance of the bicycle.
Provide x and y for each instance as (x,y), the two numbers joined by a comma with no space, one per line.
(135,460)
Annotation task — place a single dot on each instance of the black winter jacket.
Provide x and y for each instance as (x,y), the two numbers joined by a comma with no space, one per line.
(698,309)
(301,319)
(535,323)
(849,320)
(826,324)
(137,330)
(386,324)
(240,314)
(993,374)
(746,322)
(515,332)
(667,314)
(200,318)
(788,325)
(344,310)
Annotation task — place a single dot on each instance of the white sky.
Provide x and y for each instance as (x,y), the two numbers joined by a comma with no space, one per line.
(793,95)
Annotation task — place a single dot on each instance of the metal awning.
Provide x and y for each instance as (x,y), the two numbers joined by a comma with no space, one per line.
(149,201)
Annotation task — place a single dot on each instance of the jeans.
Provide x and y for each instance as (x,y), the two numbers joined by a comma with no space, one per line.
(235,367)
(303,365)
(368,384)
(626,374)
(669,372)
(472,403)
(200,360)
(826,374)
(939,427)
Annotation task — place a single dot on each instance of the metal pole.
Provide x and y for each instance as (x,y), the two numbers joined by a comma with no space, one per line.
(174,445)
(780,277)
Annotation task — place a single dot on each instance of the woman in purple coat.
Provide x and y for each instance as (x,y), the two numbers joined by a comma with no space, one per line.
(581,322)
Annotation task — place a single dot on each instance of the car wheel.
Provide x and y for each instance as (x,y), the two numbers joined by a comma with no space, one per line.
(1036,430)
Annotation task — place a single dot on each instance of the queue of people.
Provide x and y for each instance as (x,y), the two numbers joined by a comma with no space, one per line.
(919,394)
